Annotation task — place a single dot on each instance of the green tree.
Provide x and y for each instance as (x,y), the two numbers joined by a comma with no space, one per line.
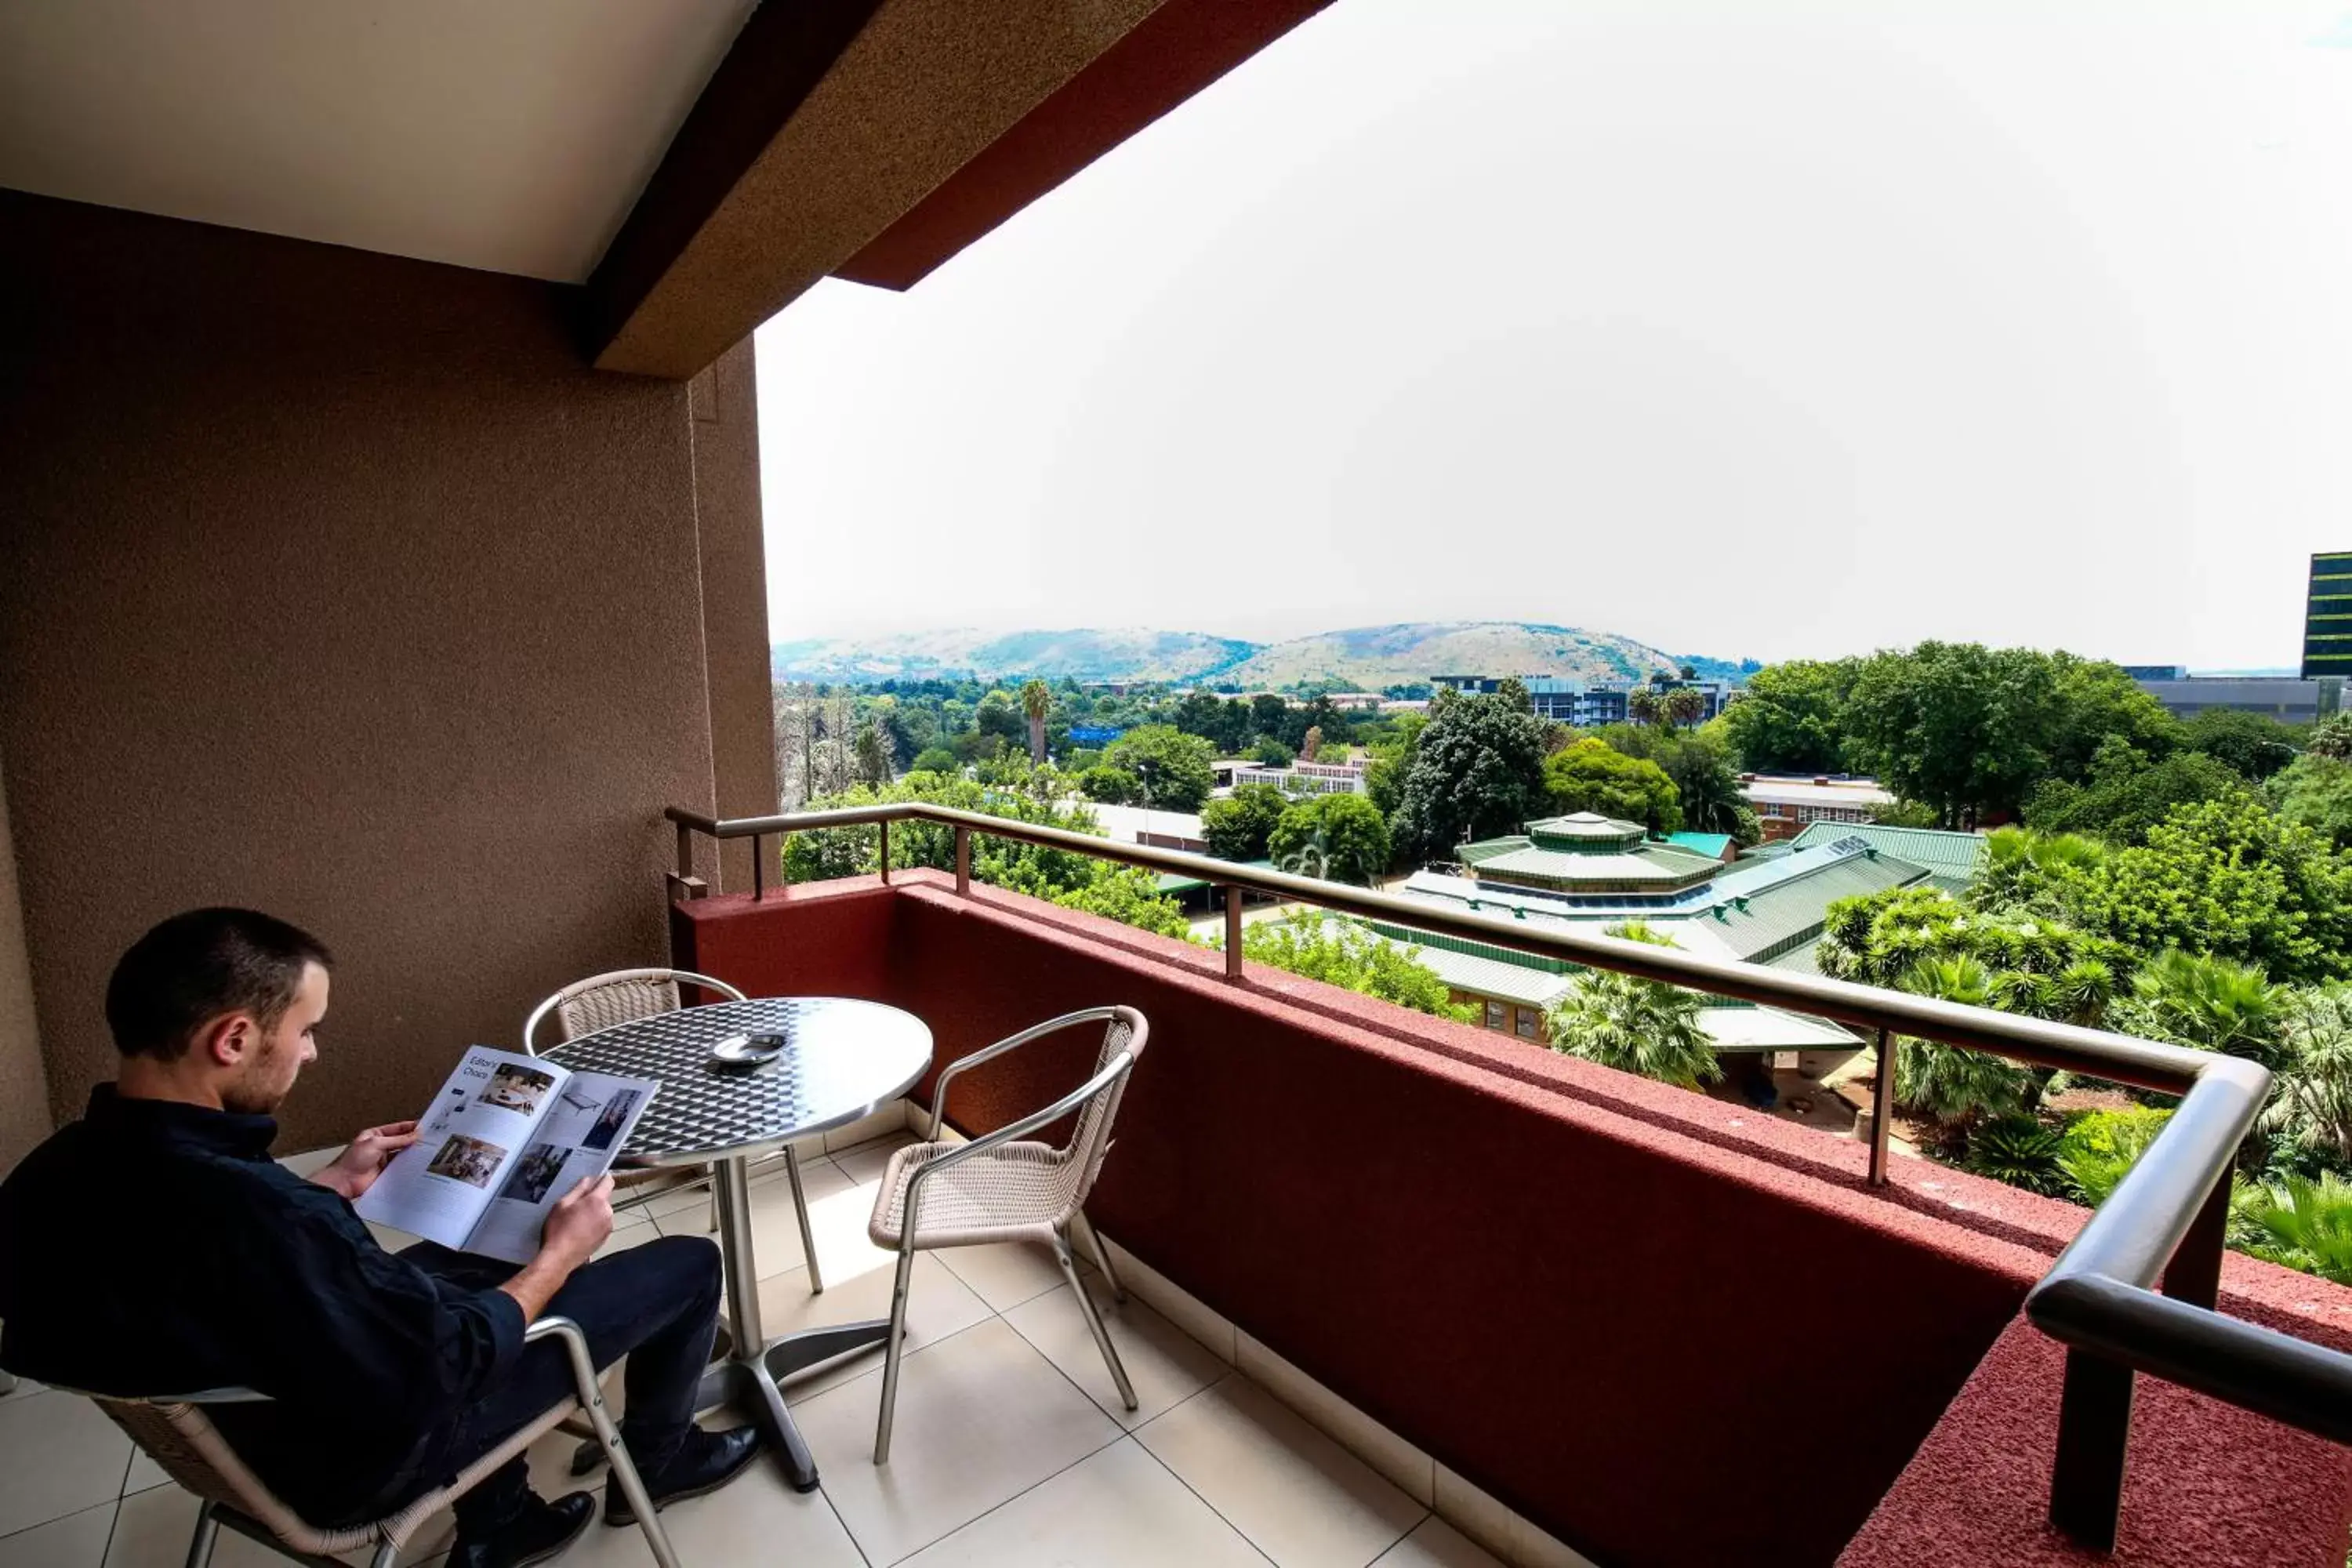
(1906,813)
(1643,1026)
(1343,952)
(1791,718)
(1131,896)
(2225,878)
(872,754)
(2333,739)
(1970,730)
(1643,706)
(2099,1149)
(2252,746)
(1682,706)
(1590,776)
(1953,1084)
(1036,700)
(1237,827)
(1476,770)
(2316,792)
(935,760)
(2126,794)
(2195,999)
(1173,768)
(1707,786)
(2310,1107)
(1272,753)
(1340,836)
(1110,785)
(999,716)
(2302,1224)
(1959,726)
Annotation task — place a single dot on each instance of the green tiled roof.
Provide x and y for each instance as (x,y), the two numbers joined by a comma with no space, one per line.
(1711,844)
(1585,830)
(1760,926)
(1953,859)
(1652,866)
(1493,977)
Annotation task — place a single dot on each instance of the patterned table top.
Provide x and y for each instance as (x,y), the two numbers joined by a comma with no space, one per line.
(846,1060)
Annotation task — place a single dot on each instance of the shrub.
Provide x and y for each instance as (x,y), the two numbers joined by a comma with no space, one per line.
(1237,827)
(1341,836)
(2023,1152)
(935,760)
(2302,1224)
(1341,952)
(1643,1026)
(2098,1148)
(1112,786)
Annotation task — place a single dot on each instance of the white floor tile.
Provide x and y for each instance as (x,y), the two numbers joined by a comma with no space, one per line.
(1173,1303)
(862,1162)
(1165,1365)
(1405,1466)
(1300,1498)
(1437,1544)
(144,1473)
(755,1518)
(1119,1506)
(77,1541)
(1006,1273)
(938,1305)
(981,1418)
(58,1455)
(153,1529)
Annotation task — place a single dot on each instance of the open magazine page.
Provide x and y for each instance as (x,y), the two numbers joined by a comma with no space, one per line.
(580,1132)
(467,1144)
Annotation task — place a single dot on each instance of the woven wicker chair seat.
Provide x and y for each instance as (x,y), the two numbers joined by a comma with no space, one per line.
(1009,1193)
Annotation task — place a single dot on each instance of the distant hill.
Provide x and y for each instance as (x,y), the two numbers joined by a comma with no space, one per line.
(1360,657)
(1369,658)
(962,654)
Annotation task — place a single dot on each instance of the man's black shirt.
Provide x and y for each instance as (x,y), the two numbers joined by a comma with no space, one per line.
(155,1248)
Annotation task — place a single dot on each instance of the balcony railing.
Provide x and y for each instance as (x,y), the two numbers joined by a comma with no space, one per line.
(2101,1298)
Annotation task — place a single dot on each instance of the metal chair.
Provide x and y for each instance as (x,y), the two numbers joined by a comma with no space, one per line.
(623,997)
(1001,1187)
(176,1433)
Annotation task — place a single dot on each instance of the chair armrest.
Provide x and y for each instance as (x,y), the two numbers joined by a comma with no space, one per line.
(1069,1102)
(1010,1042)
(230,1396)
(575,1346)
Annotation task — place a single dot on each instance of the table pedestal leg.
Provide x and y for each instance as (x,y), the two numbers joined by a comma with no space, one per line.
(745,1380)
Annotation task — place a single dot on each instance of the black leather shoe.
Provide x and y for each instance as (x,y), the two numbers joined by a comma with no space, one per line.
(540,1532)
(703,1463)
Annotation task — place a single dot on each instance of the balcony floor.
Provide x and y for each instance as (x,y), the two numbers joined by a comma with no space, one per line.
(1011,1446)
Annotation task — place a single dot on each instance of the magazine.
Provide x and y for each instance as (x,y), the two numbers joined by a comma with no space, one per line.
(505,1137)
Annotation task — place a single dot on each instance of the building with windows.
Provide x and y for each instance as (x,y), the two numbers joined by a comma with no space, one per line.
(2286,699)
(1585,703)
(1784,807)
(2327,616)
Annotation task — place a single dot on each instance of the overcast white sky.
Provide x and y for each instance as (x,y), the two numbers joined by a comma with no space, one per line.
(1744,329)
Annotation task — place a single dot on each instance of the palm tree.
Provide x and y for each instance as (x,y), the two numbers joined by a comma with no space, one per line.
(2311,1106)
(1036,696)
(2302,1224)
(1643,1026)
(1642,704)
(2210,1002)
(1954,1085)
(1682,705)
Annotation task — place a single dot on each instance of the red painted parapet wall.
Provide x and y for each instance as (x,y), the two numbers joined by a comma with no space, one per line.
(1667,1330)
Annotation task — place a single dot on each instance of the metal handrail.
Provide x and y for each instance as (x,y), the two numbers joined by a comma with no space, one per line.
(2166,1218)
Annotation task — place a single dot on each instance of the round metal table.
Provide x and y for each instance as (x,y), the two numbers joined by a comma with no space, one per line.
(843,1060)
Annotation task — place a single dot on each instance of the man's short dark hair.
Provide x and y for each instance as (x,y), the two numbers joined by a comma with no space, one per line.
(198,965)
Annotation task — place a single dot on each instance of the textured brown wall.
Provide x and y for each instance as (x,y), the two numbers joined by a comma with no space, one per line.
(726,432)
(24,1088)
(340,586)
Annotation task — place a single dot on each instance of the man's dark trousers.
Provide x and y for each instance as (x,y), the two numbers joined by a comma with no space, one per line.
(656,1303)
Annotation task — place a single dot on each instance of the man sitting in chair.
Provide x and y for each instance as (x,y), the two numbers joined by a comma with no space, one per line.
(154,1247)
